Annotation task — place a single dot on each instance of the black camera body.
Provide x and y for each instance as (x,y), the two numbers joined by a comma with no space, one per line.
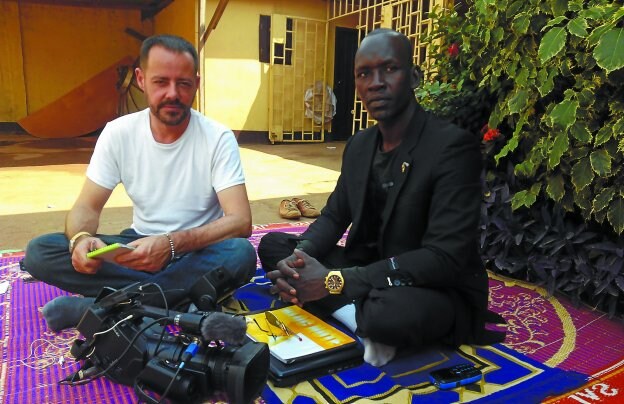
(129,343)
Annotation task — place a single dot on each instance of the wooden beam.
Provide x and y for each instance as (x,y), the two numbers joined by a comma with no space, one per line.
(148,8)
(149,12)
(123,4)
(135,34)
(213,22)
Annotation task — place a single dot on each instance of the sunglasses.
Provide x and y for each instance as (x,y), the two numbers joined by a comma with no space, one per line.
(275,322)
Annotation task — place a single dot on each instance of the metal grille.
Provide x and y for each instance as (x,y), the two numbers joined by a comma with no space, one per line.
(298,59)
(407,16)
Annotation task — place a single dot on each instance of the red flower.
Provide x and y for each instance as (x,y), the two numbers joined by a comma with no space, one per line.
(453,50)
(490,133)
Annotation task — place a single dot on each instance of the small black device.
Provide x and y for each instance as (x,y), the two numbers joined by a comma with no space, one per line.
(455,376)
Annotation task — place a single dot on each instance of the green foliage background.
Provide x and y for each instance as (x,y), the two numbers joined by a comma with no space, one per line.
(549,75)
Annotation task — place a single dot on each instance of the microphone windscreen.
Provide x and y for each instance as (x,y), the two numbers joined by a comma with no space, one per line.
(224,327)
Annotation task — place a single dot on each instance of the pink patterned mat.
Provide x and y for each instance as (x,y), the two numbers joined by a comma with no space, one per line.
(554,352)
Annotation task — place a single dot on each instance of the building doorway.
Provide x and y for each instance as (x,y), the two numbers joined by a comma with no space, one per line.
(344,84)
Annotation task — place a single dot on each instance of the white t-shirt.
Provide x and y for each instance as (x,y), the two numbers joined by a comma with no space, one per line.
(172,186)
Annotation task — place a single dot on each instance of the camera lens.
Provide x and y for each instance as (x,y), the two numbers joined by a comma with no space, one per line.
(240,372)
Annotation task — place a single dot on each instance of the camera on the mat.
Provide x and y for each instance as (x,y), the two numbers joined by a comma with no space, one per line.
(166,353)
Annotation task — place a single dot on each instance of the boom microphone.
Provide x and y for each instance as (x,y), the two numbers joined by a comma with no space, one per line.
(224,327)
(213,325)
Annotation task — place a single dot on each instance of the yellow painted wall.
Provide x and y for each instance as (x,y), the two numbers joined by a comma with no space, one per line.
(12,86)
(65,46)
(178,18)
(57,48)
(236,84)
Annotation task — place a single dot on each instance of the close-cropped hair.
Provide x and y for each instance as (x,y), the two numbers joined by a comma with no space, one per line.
(171,42)
(405,42)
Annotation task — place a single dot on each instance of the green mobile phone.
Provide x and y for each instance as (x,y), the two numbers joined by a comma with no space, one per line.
(109,252)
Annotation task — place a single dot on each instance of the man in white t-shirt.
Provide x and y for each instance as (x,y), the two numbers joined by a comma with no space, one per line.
(182,171)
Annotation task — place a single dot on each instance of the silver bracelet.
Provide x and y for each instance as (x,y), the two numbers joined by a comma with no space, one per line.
(170,245)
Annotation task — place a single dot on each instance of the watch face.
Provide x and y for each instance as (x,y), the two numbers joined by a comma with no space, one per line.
(334,282)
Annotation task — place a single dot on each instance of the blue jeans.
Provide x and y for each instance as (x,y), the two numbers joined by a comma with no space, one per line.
(47,259)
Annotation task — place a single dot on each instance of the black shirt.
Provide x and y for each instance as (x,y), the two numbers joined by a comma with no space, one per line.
(380,181)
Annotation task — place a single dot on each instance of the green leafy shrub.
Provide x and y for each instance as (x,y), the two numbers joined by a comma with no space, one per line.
(547,79)
(555,72)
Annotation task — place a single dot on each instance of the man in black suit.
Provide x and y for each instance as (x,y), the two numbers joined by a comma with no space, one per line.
(410,273)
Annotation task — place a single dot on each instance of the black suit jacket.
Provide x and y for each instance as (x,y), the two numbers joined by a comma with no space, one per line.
(429,223)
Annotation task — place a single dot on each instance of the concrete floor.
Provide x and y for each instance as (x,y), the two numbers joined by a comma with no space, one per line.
(40,179)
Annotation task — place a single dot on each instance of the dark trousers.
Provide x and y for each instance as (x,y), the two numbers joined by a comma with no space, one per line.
(398,316)
(48,260)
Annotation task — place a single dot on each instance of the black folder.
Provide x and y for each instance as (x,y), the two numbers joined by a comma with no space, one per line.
(287,374)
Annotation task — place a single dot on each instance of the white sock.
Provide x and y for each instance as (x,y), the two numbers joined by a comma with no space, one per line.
(346,315)
(376,353)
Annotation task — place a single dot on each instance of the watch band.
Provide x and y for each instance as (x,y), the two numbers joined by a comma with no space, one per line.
(74,239)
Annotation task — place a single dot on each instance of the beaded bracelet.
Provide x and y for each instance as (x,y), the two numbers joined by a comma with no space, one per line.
(170,245)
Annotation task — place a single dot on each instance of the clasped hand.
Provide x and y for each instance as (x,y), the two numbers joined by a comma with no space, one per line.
(299,278)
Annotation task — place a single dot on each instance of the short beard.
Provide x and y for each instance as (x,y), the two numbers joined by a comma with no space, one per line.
(171,121)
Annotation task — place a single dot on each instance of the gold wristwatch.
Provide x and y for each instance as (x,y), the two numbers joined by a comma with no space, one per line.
(73,240)
(334,282)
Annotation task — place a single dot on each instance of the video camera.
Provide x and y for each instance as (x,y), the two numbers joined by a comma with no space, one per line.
(136,345)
